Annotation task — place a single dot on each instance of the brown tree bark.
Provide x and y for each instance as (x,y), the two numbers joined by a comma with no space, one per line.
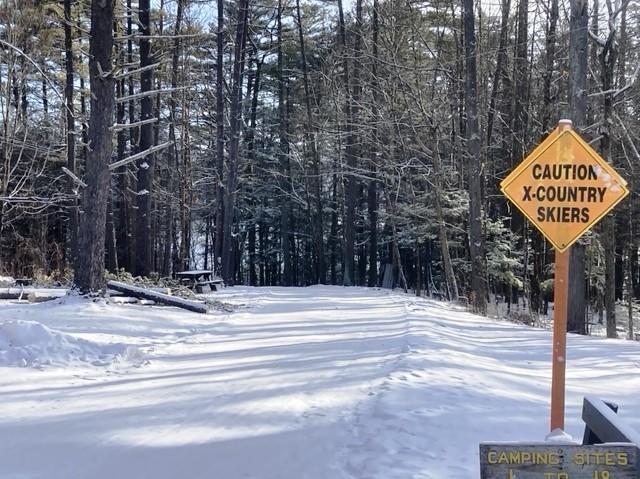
(253,160)
(550,59)
(450,277)
(146,166)
(283,159)
(578,56)
(476,236)
(169,217)
(501,62)
(549,107)
(217,265)
(319,266)
(372,189)
(608,57)
(521,78)
(89,274)
(353,88)
(234,143)
(72,227)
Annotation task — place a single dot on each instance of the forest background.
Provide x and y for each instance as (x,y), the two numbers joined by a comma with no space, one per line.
(288,142)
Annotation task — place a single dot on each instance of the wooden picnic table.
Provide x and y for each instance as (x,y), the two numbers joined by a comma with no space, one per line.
(201,280)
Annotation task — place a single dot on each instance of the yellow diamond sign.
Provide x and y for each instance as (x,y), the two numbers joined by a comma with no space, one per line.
(564,187)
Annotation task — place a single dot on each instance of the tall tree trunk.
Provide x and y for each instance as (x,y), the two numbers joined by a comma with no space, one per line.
(519,121)
(372,208)
(500,66)
(83,114)
(123,234)
(253,160)
(372,190)
(169,217)
(123,237)
(134,134)
(186,190)
(146,165)
(72,227)
(89,274)
(578,56)
(630,248)
(476,175)
(348,265)
(219,138)
(450,277)
(262,255)
(521,77)
(333,231)
(538,242)
(607,70)
(283,156)
(311,141)
(550,56)
(234,143)
(352,152)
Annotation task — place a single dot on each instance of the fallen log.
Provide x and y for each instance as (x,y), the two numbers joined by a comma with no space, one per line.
(33,295)
(157,297)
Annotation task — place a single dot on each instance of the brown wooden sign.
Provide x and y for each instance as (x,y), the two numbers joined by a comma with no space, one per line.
(526,461)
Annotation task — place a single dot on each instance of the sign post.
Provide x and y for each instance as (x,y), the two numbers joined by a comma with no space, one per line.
(560,313)
(563,187)
(560,310)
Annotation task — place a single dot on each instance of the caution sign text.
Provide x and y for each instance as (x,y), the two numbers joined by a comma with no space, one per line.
(564,187)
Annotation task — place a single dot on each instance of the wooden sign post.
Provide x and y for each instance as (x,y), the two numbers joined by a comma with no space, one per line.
(563,187)
(560,313)
(558,362)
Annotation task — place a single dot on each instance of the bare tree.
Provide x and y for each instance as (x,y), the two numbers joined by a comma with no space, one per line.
(146,165)
(476,236)
(72,235)
(219,136)
(234,143)
(578,57)
(89,274)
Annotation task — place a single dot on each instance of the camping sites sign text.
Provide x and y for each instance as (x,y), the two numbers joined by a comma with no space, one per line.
(522,461)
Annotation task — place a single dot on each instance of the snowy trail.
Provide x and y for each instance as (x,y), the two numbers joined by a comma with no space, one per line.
(468,380)
(315,383)
(266,392)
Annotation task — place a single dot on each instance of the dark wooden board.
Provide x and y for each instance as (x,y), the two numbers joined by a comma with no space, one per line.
(604,425)
(544,461)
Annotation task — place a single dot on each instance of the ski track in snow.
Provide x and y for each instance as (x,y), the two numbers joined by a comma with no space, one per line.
(298,383)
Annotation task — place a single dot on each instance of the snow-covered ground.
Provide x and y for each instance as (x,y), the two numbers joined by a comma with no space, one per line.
(316,383)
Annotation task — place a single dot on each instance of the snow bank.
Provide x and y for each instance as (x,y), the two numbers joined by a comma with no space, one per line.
(6,281)
(29,343)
